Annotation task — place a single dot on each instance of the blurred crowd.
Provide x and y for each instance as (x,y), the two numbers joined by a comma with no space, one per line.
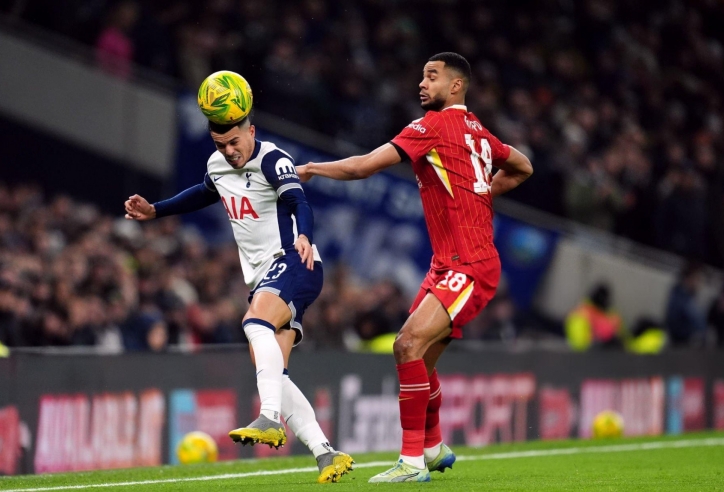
(73,276)
(70,275)
(618,104)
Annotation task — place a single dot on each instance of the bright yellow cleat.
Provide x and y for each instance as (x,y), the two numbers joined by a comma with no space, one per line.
(333,465)
(262,430)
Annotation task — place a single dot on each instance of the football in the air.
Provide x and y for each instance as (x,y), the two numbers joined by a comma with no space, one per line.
(225,97)
(607,424)
(197,447)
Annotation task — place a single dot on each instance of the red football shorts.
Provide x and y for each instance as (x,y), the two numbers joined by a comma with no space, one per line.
(464,290)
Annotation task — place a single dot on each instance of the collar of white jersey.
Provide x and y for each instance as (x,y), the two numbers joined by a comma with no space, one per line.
(257,148)
(457,106)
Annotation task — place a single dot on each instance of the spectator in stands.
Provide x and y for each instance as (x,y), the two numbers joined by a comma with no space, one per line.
(685,320)
(594,323)
(327,325)
(375,332)
(593,197)
(681,216)
(145,332)
(9,321)
(48,328)
(115,46)
(213,324)
(503,323)
(716,317)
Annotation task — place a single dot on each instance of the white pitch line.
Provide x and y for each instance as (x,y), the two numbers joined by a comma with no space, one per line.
(618,448)
(646,446)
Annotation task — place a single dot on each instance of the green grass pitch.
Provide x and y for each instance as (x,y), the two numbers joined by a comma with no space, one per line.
(690,462)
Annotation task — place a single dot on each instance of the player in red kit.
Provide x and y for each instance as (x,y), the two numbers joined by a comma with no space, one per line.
(452,155)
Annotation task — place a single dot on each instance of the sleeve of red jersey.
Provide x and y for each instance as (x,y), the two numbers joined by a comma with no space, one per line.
(419,137)
(500,151)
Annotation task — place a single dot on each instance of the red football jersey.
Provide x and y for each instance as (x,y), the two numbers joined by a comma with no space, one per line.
(452,155)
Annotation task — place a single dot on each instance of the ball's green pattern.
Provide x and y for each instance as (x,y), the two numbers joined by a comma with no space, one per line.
(225,97)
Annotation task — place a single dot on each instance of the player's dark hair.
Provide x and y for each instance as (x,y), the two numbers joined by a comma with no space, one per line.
(222,129)
(457,63)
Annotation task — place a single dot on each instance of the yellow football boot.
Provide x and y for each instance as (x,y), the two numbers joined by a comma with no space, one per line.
(263,430)
(333,465)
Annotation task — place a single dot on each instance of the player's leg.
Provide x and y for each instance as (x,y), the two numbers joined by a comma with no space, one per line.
(426,332)
(465,295)
(426,326)
(301,420)
(438,456)
(267,312)
(296,409)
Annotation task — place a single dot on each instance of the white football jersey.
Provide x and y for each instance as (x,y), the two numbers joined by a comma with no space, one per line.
(263,225)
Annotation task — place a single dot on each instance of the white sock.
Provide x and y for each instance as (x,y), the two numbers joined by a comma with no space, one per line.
(431,453)
(416,461)
(300,418)
(269,367)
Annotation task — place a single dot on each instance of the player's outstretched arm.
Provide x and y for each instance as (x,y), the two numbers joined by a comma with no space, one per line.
(356,167)
(513,171)
(192,199)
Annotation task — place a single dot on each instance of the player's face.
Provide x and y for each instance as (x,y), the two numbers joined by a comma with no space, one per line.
(237,144)
(435,86)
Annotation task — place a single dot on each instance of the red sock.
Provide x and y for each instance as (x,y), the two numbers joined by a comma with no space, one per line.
(414,397)
(433,436)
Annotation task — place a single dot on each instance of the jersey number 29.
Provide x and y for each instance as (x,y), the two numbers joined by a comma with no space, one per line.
(482,175)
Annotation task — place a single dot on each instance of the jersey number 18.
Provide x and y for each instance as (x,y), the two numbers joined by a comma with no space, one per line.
(482,175)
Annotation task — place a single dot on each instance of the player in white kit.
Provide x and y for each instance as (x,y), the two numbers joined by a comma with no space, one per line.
(272,223)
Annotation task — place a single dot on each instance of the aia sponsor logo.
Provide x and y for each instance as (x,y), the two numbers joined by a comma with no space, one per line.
(239,208)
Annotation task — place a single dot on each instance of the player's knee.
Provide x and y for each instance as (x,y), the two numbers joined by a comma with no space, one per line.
(406,347)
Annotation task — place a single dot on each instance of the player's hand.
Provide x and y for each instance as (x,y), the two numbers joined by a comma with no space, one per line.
(303,173)
(305,251)
(138,208)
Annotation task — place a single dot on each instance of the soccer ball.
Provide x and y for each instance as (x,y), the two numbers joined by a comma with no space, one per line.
(225,97)
(607,424)
(197,447)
